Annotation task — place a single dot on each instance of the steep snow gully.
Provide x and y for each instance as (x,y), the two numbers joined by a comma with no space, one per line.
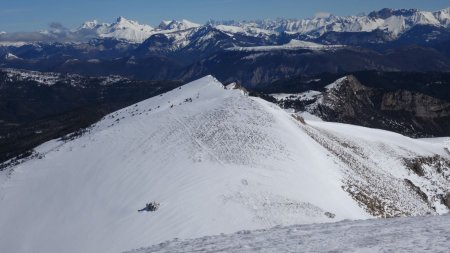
(217,161)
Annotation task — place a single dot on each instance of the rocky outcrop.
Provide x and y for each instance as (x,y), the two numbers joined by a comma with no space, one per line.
(346,99)
(407,112)
(420,105)
(446,200)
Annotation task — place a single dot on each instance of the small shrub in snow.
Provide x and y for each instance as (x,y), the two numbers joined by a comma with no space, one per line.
(150,207)
(330,215)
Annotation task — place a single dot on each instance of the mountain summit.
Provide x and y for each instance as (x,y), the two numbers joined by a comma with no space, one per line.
(177,25)
(122,29)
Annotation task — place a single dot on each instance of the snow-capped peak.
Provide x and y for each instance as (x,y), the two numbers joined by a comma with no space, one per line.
(177,25)
(443,16)
(122,29)
(10,56)
(124,23)
(89,24)
(392,21)
(122,19)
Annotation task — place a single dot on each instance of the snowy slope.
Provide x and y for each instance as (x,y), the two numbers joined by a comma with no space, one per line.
(418,234)
(217,161)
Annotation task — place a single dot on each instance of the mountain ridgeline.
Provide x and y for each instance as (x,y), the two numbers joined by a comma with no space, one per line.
(213,160)
(36,107)
(118,135)
(254,53)
(39,106)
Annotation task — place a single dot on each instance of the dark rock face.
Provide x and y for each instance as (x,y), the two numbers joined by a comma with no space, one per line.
(416,167)
(420,105)
(387,12)
(417,190)
(403,111)
(446,200)
(357,98)
(355,38)
(407,112)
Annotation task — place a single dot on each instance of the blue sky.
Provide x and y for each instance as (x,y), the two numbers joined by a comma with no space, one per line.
(29,15)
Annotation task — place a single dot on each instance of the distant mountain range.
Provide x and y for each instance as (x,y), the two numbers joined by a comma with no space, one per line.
(253,53)
(392,22)
(122,29)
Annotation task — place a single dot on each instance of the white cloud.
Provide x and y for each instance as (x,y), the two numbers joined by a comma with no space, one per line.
(322,14)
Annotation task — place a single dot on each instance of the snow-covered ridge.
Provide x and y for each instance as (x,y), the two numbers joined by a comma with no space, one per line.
(177,25)
(395,23)
(246,30)
(292,45)
(132,31)
(336,84)
(217,161)
(418,234)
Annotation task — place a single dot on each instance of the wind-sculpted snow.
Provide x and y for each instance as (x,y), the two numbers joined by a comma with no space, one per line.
(217,161)
(418,234)
(242,144)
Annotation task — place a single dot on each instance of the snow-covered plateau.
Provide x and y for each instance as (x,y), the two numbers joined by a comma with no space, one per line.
(217,161)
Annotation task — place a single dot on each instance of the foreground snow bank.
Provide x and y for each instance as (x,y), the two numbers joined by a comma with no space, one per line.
(417,234)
